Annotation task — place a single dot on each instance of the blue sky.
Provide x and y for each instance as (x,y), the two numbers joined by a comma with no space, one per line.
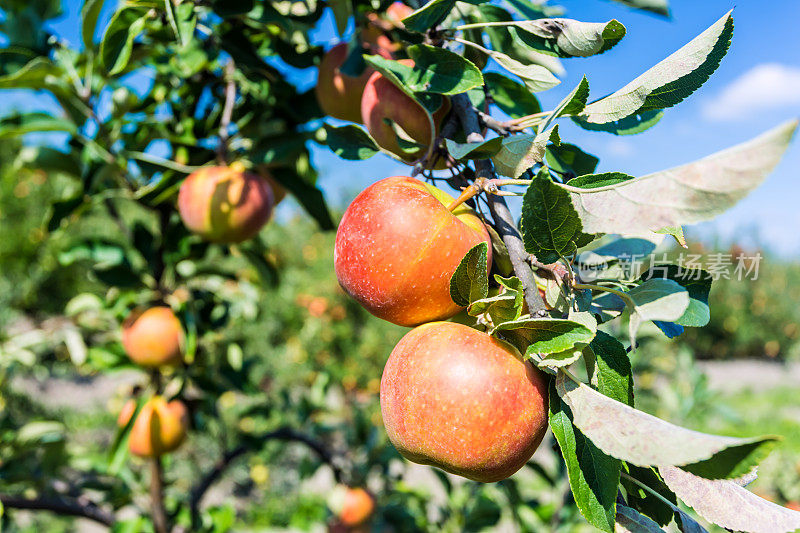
(756,87)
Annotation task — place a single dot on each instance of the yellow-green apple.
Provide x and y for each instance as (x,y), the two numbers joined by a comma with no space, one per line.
(153,337)
(159,428)
(225,204)
(397,247)
(392,117)
(353,506)
(463,401)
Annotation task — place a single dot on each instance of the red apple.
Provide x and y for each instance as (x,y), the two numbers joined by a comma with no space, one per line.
(353,506)
(463,401)
(153,338)
(159,428)
(339,95)
(382,101)
(396,12)
(225,204)
(397,247)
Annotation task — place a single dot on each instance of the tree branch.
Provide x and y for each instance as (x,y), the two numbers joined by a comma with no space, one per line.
(157,496)
(80,507)
(503,219)
(282,434)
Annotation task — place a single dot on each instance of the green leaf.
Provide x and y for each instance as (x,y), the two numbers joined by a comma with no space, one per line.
(676,232)
(682,195)
(593,475)
(687,524)
(470,280)
(656,299)
(630,125)
(536,77)
(631,521)
(572,104)
(49,160)
(181,19)
(342,11)
(729,505)
(613,368)
(645,502)
(22,123)
(570,38)
(474,150)
(504,307)
(432,14)
(628,434)
(351,142)
(507,38)
(605,179)
(309,196)
(551,228)
(441,71)
(520,152)
(670,81)
(62,209)
(118,452)
(698,284)
(34,75)
(569,159)
(550,335)
(513,99)
(660,7)
(117,43)
(256,254)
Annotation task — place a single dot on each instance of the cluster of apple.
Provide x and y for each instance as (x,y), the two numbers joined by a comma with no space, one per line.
(223,204)
(451,396)
(154,339)
(397,122)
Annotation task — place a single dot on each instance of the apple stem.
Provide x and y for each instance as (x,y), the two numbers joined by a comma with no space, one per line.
(465,195)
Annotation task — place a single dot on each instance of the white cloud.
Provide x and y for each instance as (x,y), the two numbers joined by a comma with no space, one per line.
(619,148)
(763,87)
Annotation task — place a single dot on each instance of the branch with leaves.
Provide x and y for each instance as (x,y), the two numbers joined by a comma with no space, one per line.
(285,434)
(566,210)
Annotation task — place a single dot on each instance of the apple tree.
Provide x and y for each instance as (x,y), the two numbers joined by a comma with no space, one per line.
(182,130)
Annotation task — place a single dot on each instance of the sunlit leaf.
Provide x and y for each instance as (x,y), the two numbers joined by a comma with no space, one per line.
(728,505)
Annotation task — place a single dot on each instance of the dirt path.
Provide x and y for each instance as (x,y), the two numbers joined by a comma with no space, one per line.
(92,392)
(731,376)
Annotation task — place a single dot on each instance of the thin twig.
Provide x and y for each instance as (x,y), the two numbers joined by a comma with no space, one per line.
(227,112)
(501,128)
(503,219)
(282,434)
(80,507)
